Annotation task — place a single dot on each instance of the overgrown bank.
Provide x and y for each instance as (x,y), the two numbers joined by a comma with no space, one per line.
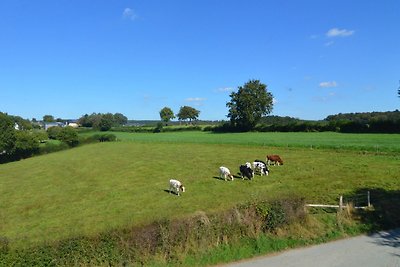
(246,230)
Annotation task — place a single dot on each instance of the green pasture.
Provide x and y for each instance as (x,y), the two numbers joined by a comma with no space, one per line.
(98,187)
(331,140)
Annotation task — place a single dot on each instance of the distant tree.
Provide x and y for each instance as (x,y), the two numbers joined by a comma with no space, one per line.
(119,119)
(22,123)
(106,122)
(102,122)
(7,136)
(188,113)
(69,136)
(166,114)
(48,118)
(249,104)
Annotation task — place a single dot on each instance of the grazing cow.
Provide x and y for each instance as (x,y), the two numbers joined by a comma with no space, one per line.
(260,166)
(274,159)
(224,171)
(245,170)
(176,186)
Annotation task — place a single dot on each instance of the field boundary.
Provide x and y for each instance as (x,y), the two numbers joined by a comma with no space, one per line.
(366,199)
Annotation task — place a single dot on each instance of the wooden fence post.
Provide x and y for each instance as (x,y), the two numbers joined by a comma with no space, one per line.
(341,202)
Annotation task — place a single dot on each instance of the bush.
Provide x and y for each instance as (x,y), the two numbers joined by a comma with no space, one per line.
(50,147)
(53,132)
(166,241)
(69,136)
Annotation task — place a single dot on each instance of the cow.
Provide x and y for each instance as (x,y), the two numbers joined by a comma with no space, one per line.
(176,186)
(225,172)
(260,166)
(275,159)
(245,170)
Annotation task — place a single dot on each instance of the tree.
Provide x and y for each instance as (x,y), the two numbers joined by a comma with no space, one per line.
(106,122)
(119,119)
(249,104)
(188,113)
(48,118)
(7,136)
(166,114)
(26,145)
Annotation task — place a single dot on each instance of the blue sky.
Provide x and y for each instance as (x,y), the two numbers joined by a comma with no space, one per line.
(68,58)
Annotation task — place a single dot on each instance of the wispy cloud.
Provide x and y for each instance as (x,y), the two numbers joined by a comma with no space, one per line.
(195,99)
(225,89)
(129,13)
(335,32)
(328,84)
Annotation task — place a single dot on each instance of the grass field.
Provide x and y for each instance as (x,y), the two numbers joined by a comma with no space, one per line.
(94,188)
(331,140)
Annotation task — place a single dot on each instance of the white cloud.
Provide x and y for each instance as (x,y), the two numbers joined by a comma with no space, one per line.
(328,84)
(195,99)
(129,13)
(329,43)
(225,89)
(335,32)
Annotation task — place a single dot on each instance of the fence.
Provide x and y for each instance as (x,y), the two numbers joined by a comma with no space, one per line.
(360,201)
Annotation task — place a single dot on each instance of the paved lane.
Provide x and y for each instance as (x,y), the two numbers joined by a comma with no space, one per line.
(381,249)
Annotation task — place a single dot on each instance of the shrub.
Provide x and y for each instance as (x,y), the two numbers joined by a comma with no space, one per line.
(69,136)
(166,241)
(53,132)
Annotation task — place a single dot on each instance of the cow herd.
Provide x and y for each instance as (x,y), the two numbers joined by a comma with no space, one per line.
(247,170)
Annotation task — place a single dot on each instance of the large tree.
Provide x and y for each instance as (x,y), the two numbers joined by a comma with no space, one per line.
(249,104)
(7,135)
(166,114)
(188,113)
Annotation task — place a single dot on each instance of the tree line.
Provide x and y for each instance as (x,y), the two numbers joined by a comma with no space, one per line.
(248,110)
(20,138)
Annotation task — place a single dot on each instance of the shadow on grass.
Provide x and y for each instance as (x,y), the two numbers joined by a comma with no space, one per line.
(384,214)
(170,192)
(228,179)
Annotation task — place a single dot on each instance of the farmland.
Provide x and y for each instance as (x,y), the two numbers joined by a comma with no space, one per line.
(98,187)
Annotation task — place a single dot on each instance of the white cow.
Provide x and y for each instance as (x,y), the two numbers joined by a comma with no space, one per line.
(224,171)
(176,186)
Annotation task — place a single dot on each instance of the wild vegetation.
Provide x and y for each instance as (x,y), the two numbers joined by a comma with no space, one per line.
(107,203)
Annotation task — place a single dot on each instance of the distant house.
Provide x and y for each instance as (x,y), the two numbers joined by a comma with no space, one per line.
(48,125)
(73,124)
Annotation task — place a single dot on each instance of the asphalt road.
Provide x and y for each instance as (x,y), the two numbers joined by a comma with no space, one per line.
(380,249)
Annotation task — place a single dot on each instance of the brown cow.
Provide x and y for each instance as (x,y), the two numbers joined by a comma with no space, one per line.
(274,159)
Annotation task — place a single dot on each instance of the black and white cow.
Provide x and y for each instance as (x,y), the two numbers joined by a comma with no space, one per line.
(246,171)
(260,166)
